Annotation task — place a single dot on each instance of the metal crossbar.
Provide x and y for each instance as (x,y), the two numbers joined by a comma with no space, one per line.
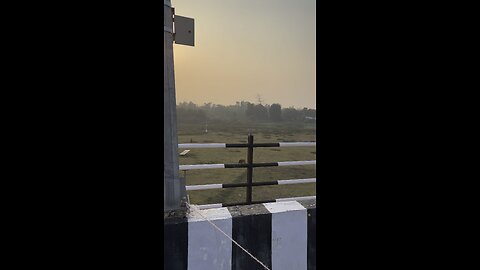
(244,145)
(268,183)
(245,165)
(249,165)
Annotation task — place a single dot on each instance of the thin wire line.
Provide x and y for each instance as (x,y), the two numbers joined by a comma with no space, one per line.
(215,226)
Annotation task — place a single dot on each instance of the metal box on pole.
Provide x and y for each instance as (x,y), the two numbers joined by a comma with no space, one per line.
(184,30)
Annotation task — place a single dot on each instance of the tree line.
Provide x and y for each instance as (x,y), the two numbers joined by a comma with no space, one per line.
(242,111)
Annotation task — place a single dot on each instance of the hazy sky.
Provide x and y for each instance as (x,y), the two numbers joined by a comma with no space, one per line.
(248,47)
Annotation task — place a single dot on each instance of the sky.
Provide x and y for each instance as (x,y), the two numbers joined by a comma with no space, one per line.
(248,48)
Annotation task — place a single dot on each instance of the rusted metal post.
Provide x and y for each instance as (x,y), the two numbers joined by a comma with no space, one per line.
(249,168)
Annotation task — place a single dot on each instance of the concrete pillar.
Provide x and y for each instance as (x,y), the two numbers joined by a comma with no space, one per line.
(174,186)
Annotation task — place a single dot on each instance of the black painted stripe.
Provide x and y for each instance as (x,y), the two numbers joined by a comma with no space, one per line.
(268,183)
(271,164)
(266,145)
(312,239)
(245,203)
(252,229)
(233,204)
(265,201)
(236,145)
(175,243)
(311,206)
(244,145)
(236,165)
(255,165)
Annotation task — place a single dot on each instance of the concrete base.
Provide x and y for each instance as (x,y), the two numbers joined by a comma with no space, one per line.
(281,235)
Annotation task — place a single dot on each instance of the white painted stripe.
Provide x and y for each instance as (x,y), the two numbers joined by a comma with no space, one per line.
(204,187)
(223,145)
(201,167)
(297,144)
(289,235)
(202,145)
(296,199)
(167,29)
(207,247)
(280,182)
(297,181)
(294,163)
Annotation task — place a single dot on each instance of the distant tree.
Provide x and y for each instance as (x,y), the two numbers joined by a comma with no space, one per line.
(275,112)
(312,113)
(250,111)
(241,111)
(240,108)
(261,113)
(221,112)
(304,112)
(187,105)
(291,114)
(207,106)
(185,115)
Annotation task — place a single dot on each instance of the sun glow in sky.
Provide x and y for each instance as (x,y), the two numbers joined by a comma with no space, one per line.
(245,48)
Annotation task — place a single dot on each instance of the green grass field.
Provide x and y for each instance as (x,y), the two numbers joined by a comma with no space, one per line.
(235,133)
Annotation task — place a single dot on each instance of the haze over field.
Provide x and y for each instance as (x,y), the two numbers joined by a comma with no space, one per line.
(245,48)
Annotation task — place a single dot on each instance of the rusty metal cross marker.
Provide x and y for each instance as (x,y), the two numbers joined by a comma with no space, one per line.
(181,30)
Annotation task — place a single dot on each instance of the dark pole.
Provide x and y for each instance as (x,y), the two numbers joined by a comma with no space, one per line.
(249,168)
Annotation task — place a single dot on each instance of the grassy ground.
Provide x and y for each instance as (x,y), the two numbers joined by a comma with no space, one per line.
(235,133)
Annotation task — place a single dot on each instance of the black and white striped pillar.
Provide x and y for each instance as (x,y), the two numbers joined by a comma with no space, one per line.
(282,235)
